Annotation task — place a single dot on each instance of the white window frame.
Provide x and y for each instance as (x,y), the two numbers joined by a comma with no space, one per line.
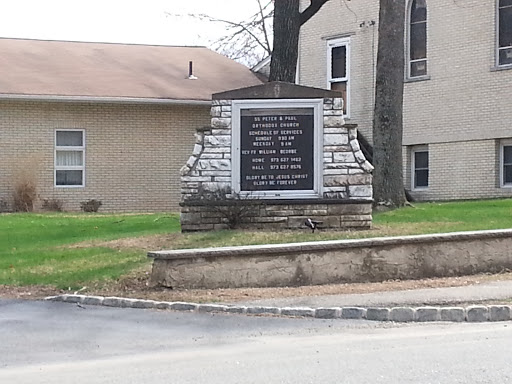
(69,168)
(335,43)
(504,143)
(498,48)
(414,150)
(408,45)
(317,106)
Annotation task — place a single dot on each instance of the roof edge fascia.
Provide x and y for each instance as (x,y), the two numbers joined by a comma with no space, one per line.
(99,99)
(261,64)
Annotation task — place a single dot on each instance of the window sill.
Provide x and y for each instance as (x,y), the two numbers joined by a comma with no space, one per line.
(501,68)
(416,79)
(69,186)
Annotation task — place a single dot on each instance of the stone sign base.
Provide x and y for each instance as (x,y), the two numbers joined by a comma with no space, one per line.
(276,214)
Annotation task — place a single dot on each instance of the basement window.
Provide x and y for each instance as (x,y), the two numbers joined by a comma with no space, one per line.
(506,163)
(420,167)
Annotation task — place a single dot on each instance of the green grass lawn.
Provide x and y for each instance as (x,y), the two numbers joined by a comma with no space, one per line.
(33,247)
(449,217)
(421,219)
(41,248)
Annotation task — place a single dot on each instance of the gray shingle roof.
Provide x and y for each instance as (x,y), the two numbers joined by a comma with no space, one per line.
(62,68)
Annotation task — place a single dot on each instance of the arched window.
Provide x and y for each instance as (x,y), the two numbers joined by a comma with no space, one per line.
(417,38)
(504,32)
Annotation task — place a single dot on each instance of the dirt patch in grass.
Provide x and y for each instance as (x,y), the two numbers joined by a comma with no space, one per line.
(178,240)
(31,292)
(143,243)
(136,286)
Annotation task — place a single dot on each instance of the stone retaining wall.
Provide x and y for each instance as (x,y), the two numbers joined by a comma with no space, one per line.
(340,261)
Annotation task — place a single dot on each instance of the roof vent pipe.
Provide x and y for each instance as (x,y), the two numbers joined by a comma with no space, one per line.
(191,71)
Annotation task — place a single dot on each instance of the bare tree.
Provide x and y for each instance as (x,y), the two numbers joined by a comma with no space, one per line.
(247,41)
(387,121)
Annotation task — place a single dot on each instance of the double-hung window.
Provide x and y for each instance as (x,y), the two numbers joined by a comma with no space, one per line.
(338,69)
(506,163)
(417,65)
(504,54)
(420,167)
(69,158)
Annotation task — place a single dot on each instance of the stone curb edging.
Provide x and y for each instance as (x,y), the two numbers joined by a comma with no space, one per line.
(473,313)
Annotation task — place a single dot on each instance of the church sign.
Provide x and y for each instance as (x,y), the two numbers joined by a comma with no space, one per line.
(275,148)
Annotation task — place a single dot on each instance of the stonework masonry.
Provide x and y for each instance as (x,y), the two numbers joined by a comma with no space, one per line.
(335,262)
(460,111)
(346,178)
(133,153)
(403,314)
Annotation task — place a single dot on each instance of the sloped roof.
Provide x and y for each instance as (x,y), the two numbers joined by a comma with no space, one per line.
(63,68)
(276,90)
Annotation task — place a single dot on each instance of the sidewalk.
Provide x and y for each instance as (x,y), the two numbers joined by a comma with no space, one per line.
(484,292)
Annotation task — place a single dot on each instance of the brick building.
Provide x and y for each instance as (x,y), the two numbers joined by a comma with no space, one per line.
(111,122)
(457,141)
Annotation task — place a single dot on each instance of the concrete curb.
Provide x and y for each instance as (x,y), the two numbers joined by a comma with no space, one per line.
(397,314)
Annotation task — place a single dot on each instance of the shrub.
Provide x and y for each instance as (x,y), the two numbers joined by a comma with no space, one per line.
(25,183)
(24,195)
(91,205)
(232,207)
(53,205)
(4,206)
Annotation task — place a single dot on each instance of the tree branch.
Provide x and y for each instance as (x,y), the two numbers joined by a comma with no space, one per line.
(243,28)
(311,10)
(250,37)
(264,28)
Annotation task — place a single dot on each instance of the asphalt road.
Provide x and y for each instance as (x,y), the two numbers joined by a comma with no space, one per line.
(45,342)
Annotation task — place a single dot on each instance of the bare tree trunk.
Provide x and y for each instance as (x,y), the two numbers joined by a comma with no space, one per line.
(287,22)
(286,41)
(387,122)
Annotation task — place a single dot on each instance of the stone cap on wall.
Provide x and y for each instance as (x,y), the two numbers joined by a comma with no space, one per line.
(328,245)
(276,90)
(266,201)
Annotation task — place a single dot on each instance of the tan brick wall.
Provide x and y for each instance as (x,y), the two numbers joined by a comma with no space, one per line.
(461,109)
(335,20)
(464,98)
(460,170)
(133,152)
